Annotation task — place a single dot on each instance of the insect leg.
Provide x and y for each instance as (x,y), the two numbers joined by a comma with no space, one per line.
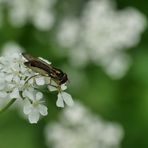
(55,86)
(31,77)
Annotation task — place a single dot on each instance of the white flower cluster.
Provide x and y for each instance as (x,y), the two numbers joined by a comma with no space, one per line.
(78,128)
(101,35)
(38,12)
(16,83)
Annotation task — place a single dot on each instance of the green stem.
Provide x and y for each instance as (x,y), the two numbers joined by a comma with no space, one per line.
(7,106)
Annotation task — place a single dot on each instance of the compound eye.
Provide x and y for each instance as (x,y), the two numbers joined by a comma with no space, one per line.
(64,79)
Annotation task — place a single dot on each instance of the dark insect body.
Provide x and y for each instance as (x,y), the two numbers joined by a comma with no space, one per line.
(40,66)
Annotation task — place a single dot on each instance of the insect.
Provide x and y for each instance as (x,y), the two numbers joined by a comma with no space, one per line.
(46,69)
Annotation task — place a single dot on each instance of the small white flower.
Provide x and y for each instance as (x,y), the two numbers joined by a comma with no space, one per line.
(34,108)
(63,97)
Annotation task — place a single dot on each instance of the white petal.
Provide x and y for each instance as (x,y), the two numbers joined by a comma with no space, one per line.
(2,85)
(29,93)
(16,79)
(22,82)
(2,76)
(53,83)
(23,69)
(67,98)
(3,94)
(60,102)
(9,78)
(63,87)
(34,116)
(30,81)
(52,88)
(10,86)
(43,110)
(39,96)
(47,80)
(27,108)
(40,81)
(15,94)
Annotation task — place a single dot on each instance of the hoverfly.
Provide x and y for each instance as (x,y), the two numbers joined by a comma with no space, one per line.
(46,69)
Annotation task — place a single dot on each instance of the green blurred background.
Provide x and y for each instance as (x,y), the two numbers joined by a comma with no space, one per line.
(124,101)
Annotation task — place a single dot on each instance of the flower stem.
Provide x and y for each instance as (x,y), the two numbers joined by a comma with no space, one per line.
(7,106)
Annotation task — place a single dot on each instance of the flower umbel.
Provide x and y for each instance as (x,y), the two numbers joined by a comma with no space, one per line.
(23,84)
(33,106)
(82,128)
(101,35)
